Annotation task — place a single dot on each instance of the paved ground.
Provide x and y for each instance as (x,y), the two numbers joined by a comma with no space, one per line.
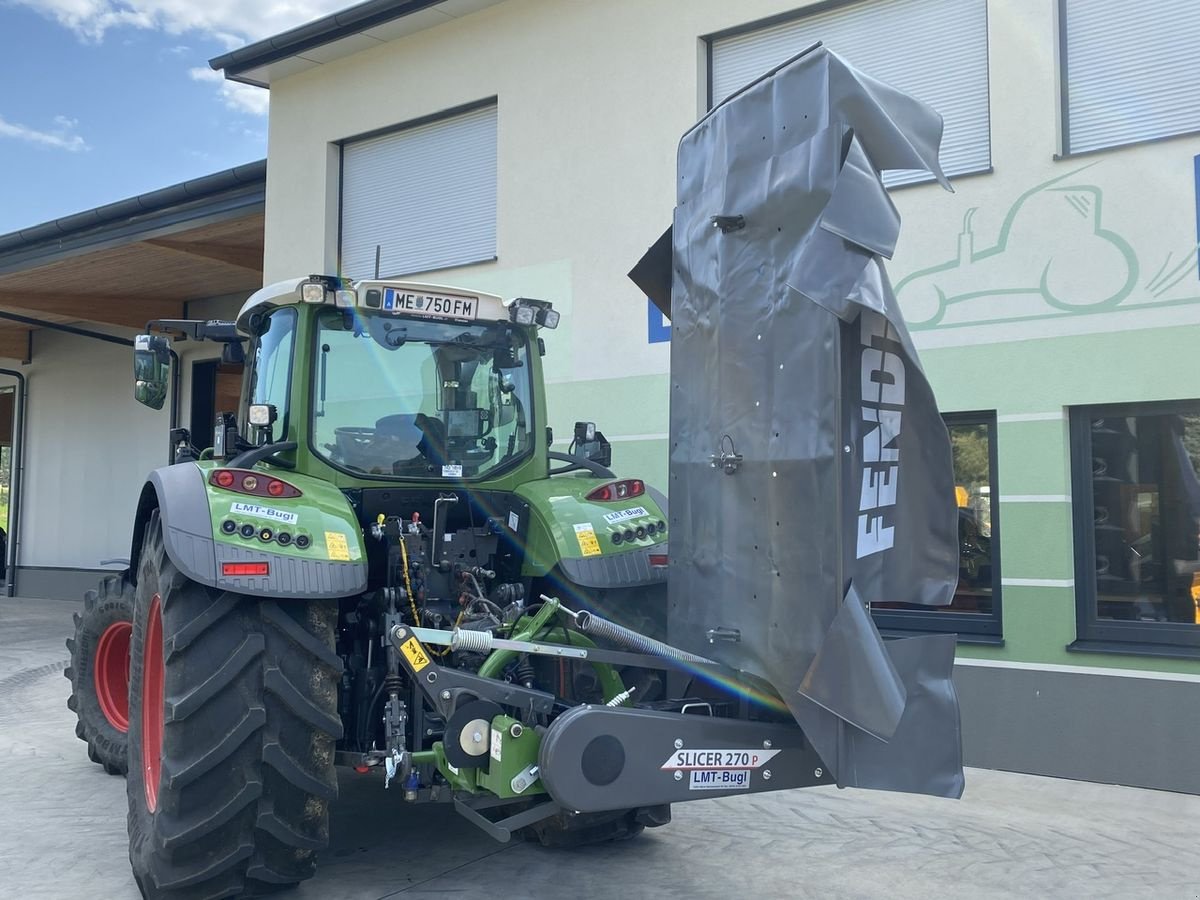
(62,829)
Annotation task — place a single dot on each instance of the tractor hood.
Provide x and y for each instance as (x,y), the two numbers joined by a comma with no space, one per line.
(811,474)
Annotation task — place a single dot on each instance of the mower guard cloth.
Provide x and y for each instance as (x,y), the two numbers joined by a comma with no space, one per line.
(811,473)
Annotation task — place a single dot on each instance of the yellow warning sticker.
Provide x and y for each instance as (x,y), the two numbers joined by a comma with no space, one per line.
(415,654)
(586,535)
(335,543)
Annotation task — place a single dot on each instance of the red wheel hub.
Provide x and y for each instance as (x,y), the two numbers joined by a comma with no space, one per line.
(153,676)
(111,674)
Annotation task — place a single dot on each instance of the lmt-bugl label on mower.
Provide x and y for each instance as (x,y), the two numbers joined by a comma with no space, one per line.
(719,779)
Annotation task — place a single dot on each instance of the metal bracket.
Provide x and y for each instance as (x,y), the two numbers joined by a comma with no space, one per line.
(727,460)
(502,829)
(442,686)
(720,633)
(524,779)
(728,223)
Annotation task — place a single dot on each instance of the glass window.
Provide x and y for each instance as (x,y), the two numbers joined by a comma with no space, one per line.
(1138,523)
(1127,75)
(271,375)
(975,612)
(420,197)
(889,40)
(411,399)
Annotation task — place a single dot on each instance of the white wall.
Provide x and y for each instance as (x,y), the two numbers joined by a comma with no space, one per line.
(592,101)
(89,447)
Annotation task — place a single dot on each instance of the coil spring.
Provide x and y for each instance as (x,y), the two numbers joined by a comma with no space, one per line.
(471,641)
(619,634)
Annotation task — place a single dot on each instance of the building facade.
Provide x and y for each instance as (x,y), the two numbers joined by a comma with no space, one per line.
(527,147)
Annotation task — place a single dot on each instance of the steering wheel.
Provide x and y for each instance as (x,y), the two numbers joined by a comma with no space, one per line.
(575,463)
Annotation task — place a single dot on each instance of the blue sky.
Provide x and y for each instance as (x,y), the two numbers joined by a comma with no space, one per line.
(104,99)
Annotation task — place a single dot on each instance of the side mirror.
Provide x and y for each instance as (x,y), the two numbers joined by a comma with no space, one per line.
(151,369)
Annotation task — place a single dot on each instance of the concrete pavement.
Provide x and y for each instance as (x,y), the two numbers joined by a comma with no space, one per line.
(62,828)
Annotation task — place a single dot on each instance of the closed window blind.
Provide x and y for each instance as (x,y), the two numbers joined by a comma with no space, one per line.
(425,196)
(936,50)
(1131,72)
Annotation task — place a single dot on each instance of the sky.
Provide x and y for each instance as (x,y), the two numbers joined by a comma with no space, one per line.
(106,99)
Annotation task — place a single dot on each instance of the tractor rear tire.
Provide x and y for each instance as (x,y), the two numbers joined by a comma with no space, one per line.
(233,703)
(99,672)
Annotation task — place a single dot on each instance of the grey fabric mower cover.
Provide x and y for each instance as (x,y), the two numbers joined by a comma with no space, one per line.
(810,471)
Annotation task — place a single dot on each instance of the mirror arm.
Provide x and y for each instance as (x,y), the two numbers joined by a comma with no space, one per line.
(265,453)
(579,462)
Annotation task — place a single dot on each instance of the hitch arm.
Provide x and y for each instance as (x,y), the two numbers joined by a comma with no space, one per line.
(443,686)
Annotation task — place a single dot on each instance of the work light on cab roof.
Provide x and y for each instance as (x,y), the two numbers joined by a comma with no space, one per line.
(411,298)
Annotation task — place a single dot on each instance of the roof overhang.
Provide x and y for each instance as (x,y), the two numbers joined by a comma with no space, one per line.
(144,258)
(339,35)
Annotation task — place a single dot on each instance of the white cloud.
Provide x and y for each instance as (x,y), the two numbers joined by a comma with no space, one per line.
(233,22)
(62,138)
(239,97)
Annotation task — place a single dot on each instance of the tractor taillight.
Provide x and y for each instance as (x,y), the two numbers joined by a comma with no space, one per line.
(245,568)
(658,560)
(619,490)
(244,481)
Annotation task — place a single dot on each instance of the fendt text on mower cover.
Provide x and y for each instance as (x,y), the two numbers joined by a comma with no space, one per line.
(381,563)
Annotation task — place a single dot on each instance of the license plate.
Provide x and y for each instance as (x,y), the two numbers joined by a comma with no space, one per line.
(432,306)
(720,779)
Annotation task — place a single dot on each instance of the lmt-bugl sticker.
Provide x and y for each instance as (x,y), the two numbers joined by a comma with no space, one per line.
(265,512)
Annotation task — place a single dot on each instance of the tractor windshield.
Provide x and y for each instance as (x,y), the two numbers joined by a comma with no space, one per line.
(419,399)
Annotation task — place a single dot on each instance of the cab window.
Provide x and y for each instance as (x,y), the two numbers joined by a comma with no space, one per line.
(271,371)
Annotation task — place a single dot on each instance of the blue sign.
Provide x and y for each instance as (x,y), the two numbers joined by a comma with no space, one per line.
(658,327)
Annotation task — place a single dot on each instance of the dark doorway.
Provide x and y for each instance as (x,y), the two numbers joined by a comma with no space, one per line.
(216,387)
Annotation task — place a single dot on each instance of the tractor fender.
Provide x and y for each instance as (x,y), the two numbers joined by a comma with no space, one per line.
(184,501)
(573,535)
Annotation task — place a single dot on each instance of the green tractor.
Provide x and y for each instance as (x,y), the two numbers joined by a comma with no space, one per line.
(390,465)
(381,564)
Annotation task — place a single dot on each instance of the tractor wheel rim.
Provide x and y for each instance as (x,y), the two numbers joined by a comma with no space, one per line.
(153,676)
(111,674)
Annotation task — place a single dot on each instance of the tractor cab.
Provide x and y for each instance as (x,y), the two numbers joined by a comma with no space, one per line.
(420,411)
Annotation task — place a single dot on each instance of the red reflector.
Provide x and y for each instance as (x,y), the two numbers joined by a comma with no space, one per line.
(619,490)
(223,478)
(275,488)
(658,560)
(250,568)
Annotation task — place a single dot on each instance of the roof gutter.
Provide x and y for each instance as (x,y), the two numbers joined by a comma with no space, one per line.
(314,34)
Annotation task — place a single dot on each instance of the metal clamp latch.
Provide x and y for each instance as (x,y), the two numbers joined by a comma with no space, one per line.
(719,633)
(726,460)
